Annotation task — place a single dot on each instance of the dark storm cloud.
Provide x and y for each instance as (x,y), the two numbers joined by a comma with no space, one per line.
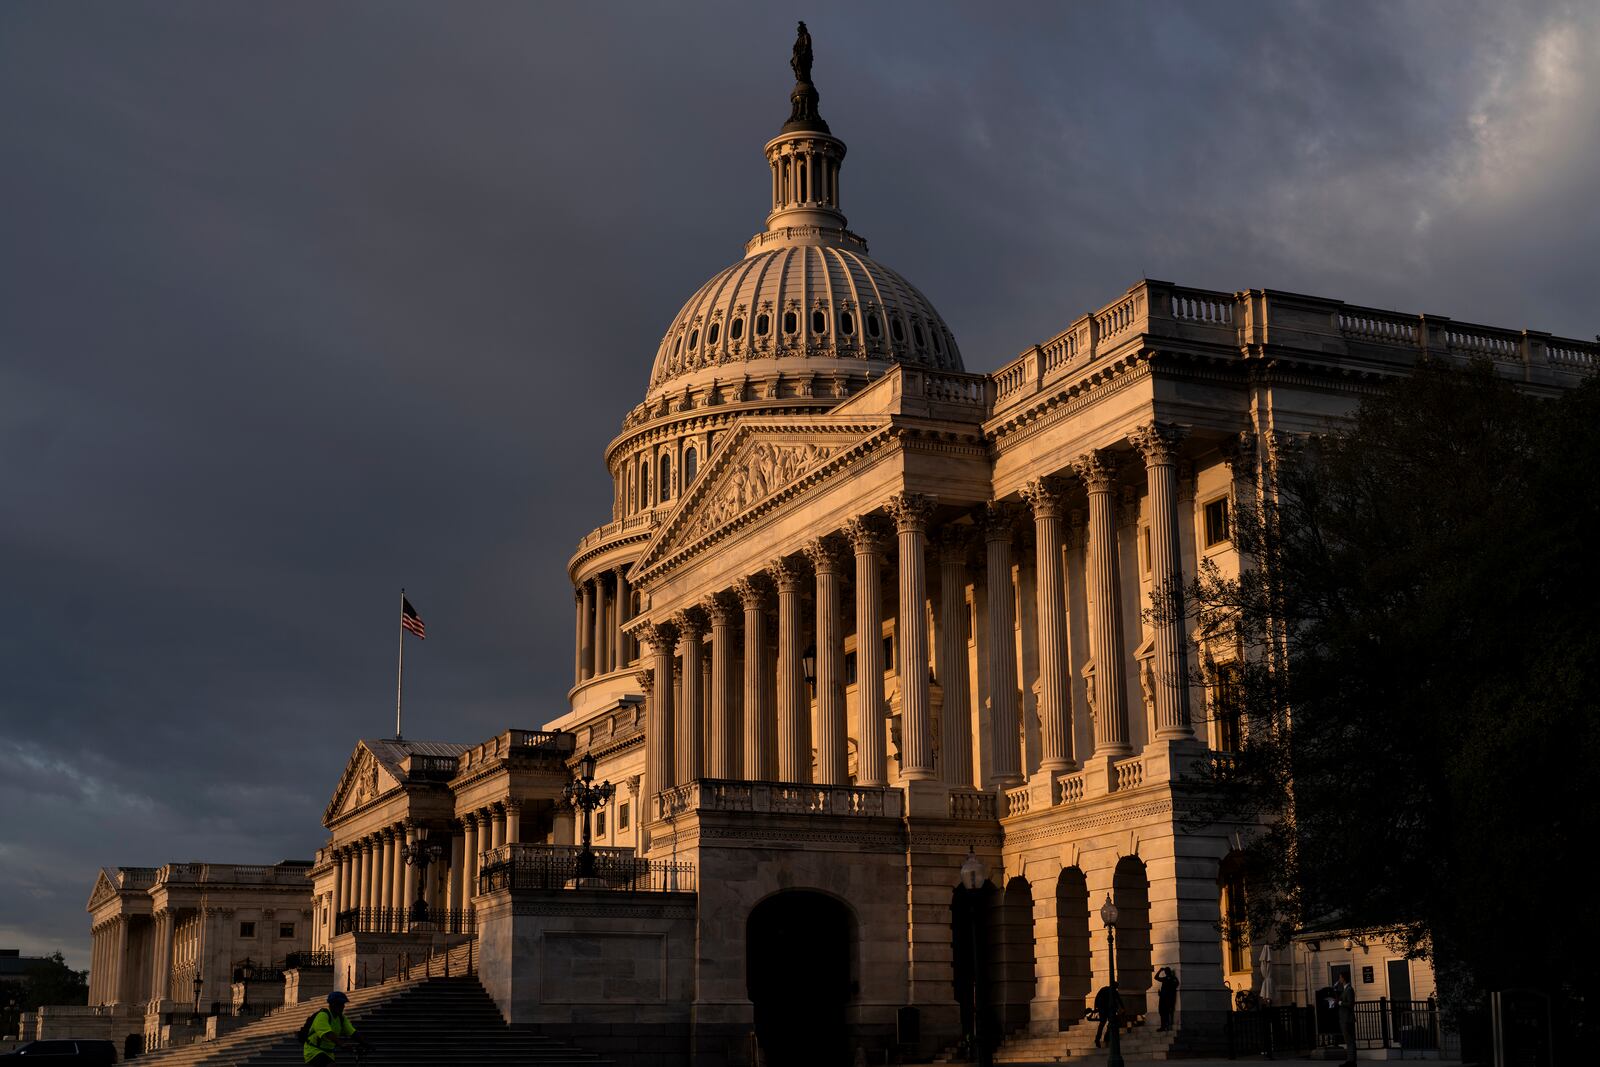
(298,305)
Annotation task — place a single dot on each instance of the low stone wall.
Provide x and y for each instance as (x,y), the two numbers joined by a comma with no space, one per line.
(610,972)
(363,959)
(303,984)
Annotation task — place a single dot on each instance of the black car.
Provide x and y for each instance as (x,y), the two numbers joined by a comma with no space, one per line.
(66,1053)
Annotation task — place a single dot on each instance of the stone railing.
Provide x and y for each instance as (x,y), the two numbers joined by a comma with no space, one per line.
(528,866)
(557,744)
(1130,773)
(1017,801)
(136,877)
(971,804)
(1069,789)
(783,798)
(628,524)
(230,873)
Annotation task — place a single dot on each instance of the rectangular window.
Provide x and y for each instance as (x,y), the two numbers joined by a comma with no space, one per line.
(1216,514)
(622,817)
(1225,709)
(286,930)
(599,824)
(247,929)
(1144,549)
(888,652)
(849,668)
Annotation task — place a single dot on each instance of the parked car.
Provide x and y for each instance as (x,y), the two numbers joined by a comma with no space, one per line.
(66,1053)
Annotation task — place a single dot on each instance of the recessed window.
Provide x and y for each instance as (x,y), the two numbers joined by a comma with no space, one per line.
(1144,549)
(286,929)
(644,485)
(1216,514)
(938,345)
(665,480)
(763,324)
(600,824)
(736,328)
(791,322)
(897,330)
(691,465)
(888,652)
(847,323)
(916,331)
(622,816)
(677,346)
(819,321)
(247,929)
(874,327)
(1226,734)
(694,338)
(712,331)
(849,668)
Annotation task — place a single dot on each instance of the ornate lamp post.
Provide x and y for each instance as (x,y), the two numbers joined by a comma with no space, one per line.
(587,797)
(1108,915)
(197,984)
(973,875)
(419,854)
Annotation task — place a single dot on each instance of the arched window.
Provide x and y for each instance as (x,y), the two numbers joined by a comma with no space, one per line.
(916,331)
(644,485)
(874,328)
(691,466)
(847,324)
(694,338)
(897,329)
(1235,914)
(791,322)
(665,479)
(712,331)
(736,328)
(819,321)
(763,324)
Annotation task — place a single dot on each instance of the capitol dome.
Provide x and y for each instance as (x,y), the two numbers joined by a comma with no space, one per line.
(806,297)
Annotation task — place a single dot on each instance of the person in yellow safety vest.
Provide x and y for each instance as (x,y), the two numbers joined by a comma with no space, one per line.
(330,1029)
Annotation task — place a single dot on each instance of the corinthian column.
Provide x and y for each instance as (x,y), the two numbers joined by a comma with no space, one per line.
(760,763)
(956,717)
(794,707)
(577,637)
(1159,444)
(1098,471)
(911,512)
(1055,698)
(832,725)
(1004,724)
(599,625)
(722,758)
(660,764)
(867,540)
(688,734)
(619,616)
(586,651)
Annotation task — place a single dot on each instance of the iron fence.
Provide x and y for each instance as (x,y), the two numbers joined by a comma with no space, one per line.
(406,920)
(562,869)
(1406,1025)
(317,957)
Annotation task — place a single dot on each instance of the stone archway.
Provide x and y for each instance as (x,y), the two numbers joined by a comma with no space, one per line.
(1130,888)
(1012,966)
(1072,940)
(799,950)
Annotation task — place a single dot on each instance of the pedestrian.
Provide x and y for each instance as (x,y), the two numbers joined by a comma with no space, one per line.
(1108,1006)
(1167,996)
(328,1030)
(1346,995)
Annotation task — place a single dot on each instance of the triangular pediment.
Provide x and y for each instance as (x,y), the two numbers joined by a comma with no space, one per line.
(104,890)
(365,779)
(762,463)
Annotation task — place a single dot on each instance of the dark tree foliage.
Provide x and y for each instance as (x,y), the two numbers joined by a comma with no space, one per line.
(1419,669)
(47,981)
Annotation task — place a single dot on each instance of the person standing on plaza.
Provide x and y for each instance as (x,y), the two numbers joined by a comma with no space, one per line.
(1167,996)
(1346,995)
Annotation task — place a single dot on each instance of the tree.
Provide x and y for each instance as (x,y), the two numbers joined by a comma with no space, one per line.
(47,980)
(1418,679)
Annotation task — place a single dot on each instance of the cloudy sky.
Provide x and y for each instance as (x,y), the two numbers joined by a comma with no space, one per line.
(300,303)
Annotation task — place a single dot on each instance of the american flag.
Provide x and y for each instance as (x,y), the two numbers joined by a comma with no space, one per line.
(410,620)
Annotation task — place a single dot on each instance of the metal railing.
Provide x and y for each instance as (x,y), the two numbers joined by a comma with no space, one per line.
(316,957)
(405,920)
(1406,1025)
(525,867)
(457,962)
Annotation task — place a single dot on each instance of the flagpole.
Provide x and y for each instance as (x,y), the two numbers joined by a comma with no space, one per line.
(400,669)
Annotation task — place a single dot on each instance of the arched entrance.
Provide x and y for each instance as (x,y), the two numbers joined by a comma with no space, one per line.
(1072,940)
(1130,888)
(1013,962)
(798,949)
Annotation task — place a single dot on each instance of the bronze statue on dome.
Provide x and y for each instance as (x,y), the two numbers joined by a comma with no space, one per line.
(801,60)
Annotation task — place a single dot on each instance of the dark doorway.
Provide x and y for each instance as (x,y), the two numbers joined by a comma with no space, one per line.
(797,973)
(1013,967)
(1130,888)
(971,954)
(1072,934)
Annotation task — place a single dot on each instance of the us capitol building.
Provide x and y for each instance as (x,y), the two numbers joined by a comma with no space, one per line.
(860,622)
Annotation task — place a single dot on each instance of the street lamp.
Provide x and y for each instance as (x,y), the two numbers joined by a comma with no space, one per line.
(587,797)
(808,665)
(419,853)
(973,875)
(1108,915)
(197,985)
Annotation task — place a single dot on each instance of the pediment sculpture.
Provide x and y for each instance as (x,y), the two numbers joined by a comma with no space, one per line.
(767,467)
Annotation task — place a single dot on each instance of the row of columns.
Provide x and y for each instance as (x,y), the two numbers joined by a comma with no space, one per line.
(768,735)
(603,604)
(108,962)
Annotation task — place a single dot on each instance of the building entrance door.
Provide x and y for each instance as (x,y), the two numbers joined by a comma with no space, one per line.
(797,972)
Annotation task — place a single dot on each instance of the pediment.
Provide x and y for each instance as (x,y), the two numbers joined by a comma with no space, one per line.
(365,779)
(761,463)
(104,889)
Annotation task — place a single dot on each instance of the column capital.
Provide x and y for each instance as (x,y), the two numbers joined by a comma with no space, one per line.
(865,533)
(722,608)
(752,591)
(691,623)
(646,679)
(786,574)
(661,636)
(825,554)
(1239,453)
(955,542)
(996,519)
(910,511)
(1096,469)
(1158,442)
(1044,496)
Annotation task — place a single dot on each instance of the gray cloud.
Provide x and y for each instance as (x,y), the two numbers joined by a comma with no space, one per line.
(296,308)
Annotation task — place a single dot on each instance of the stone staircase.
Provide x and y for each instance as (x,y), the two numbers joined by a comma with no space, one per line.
(1076,1045)
(422,1022)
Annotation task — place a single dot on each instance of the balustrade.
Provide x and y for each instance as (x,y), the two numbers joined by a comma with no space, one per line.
(971,804)
(1018,802)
